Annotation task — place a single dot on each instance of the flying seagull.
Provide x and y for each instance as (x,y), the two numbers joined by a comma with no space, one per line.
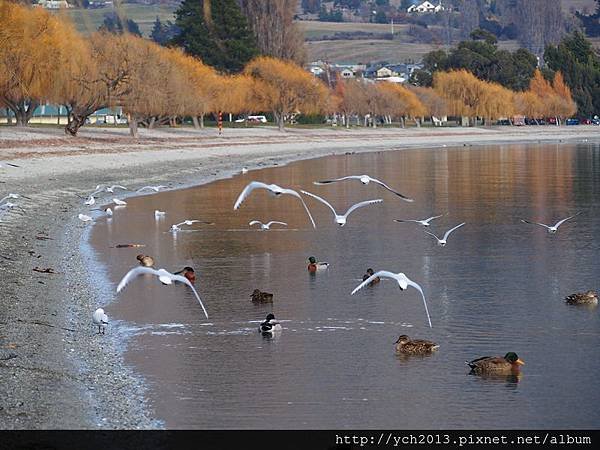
(552,229)
(164,277)
(424,222)
(403,283)
(177,226)
(152,188)
(365,179)
(274,190)
(100,319)
(442,242)
(266,226)
(341,219)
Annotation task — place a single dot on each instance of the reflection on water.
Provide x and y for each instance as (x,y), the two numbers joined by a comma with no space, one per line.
(498,286)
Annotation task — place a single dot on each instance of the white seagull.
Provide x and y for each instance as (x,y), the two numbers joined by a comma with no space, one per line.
(365,179)
(164,277)
(109,212)
(152,188)
(90,201)
(403,283)
(552,229)
(100,319)
(341,219)
(442,242)
(99,188)
(118,202)
(158,214)
(85,218)
(424,222)
(266,226)
(274,190)
(11,195)
(112,188)
(177,226)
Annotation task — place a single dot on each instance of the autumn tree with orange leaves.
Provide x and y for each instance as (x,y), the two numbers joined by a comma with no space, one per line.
(286,88)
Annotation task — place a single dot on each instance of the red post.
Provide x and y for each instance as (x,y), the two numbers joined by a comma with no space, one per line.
(220,123)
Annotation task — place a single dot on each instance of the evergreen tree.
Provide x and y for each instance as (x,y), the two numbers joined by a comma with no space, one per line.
(215,31)
(163,33)
(114,24)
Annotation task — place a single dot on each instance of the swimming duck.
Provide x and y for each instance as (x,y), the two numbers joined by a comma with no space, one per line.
(414,347)
(145,260)
(368,274)
(583,298)
(270,325)
(314,266)
(496,365)
(261,297)
(187,272)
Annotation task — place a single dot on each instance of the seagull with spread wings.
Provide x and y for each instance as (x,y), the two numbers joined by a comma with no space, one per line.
(442,242)
(365,179)
(266,226)
(164,276)
(273,189)
(554,228)
(341,219)
(403,283)
(424,222)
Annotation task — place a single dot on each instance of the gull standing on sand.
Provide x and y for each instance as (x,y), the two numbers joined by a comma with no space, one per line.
(90,201)
(273,190)
(266,226)
(100,319)
(85,218)
(554,228)
(109,212)
(177,226)
(152,188)
(341,219)
(365,179)
(424,222)
(164,277)
(118,202)
(403,283)
(442,242)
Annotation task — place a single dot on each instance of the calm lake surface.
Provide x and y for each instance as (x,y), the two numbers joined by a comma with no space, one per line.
(498,286)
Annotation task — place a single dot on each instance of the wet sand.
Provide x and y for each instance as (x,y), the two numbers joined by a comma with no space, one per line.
(55,372)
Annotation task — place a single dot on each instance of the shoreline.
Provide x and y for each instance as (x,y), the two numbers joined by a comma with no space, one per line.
(65,376)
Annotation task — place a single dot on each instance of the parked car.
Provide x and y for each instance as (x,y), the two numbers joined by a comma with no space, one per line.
(596,121)
(252,119)
(572,121)
(503,122)
(552,120)
(585,121)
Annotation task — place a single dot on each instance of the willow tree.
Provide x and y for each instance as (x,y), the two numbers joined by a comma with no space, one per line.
(434,103)
(350,97)
(463,92)
(286,88)
(398,101)
(566,106)
(31,51)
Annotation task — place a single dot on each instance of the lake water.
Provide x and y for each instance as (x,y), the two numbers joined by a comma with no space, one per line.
(498,286)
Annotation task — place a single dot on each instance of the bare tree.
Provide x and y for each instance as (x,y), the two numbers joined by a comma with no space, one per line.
(273,24)
(539,23)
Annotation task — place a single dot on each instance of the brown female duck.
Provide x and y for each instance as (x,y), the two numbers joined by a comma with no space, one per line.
(261,297)
(415,346)
(583,298)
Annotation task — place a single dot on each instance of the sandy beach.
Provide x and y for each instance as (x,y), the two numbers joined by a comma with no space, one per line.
(55,372)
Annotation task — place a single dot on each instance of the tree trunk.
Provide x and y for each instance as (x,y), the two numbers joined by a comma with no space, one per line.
(402,122)
(152,123)
(196,123)
(202,120)
(279,119)
(75,122)
(133,126)
(8,117)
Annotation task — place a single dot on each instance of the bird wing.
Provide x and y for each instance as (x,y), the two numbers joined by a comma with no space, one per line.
(560,222)
(452,229)
(361,204)
(434,217)
(249,188)
(406,220)
(144,188)
(254,222)
(337,179)
(428,232)
(380,274)
(134,273)
(118,186)
(184,280)
(276,221)
(535,223)
(404,197)
(322,200)
(418,288)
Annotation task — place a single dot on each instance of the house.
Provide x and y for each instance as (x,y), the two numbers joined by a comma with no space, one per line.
(384,72)
(425,7)
(54,4)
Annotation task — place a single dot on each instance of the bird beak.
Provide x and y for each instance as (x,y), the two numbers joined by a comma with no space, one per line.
(520,362)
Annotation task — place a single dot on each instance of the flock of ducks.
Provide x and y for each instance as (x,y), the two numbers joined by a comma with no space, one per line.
(507,364)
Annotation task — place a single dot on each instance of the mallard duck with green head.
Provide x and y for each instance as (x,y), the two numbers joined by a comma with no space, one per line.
(583,298)
(409,346)
(316,266)
(496,365)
